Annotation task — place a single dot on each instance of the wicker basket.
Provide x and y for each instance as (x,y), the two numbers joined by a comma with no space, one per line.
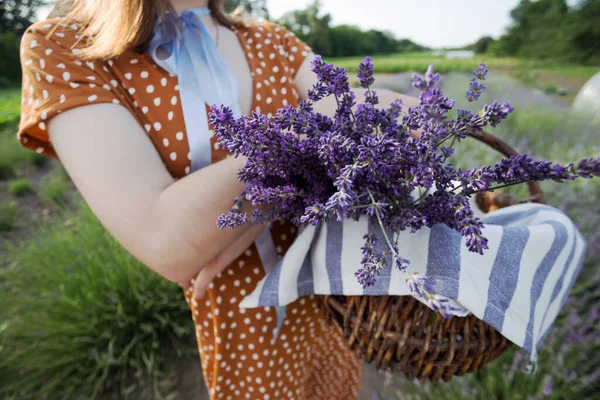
(401,334)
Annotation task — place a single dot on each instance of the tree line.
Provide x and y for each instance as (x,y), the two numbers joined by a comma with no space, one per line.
(342,40)
(549,29)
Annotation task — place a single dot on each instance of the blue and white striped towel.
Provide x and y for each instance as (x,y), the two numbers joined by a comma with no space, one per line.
(518,285)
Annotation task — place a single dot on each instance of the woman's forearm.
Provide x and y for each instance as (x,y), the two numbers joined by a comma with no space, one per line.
(187,212)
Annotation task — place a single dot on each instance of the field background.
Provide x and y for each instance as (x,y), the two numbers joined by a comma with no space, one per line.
(82,319)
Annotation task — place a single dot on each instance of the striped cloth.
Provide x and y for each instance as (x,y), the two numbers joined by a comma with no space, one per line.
(518,285)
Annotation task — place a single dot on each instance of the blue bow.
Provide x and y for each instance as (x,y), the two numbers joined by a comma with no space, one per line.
(204,77)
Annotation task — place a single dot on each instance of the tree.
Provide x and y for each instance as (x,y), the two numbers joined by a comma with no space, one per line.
(482,45)
(310,27)
(17,15)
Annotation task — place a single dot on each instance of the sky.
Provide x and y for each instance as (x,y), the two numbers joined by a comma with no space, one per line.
(433,23)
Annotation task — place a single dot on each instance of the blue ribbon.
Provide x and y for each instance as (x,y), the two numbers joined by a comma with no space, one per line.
(204,77)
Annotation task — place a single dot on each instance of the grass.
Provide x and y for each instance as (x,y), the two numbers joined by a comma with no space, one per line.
(568,78)
(20,187)
(80,316)
(8,216)
(55,191)
(10,105)
(12,153)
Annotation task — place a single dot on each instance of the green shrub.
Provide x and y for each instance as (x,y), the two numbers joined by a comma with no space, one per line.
(12,153)
(55,191)
(8,216)
(5,83)
(550,88)
(81,316)
(19,187)
(7,169)
(10,63)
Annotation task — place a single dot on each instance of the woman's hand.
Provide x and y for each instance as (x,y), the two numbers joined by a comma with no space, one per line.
(208,272)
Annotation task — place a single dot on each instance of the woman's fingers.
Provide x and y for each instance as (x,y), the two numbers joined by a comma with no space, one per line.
(219,263)
(203,279)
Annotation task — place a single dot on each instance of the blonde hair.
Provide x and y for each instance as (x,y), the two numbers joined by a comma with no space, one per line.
(117,26)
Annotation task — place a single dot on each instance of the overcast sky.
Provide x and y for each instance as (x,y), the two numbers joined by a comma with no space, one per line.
(433,23)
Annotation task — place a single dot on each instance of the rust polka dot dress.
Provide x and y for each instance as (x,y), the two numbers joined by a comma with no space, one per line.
(309,360)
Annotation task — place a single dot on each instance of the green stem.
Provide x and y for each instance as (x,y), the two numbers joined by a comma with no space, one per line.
(385,235)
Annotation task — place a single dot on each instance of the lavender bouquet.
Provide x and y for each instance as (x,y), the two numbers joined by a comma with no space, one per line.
(308,168)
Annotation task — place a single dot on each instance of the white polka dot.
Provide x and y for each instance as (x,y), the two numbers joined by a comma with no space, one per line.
(157,126)
(115,101)
(174,100)
(145,109)
(187,170)
(92,98)
(128,75)
(258,98)
(131,90)
(269,100)
(163,81)
(144,74)
(40,150)
(166,142)
(150,89)
(157,101)
(173,156)
(179,135)
(170,115)
(62,98)
(45,94)
(66,76)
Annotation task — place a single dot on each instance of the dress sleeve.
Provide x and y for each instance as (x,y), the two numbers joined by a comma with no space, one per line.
(55,80)
(293,49)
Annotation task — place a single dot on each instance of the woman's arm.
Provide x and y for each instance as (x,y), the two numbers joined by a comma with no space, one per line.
(168,225)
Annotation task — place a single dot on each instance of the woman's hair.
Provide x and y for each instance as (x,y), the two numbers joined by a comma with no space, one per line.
(116,26)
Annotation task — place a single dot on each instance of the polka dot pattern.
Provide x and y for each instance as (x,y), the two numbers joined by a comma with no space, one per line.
(309,360)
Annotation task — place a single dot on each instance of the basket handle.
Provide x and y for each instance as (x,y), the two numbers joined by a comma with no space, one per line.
(536,195)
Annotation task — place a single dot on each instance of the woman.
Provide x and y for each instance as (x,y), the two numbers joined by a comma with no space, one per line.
(99,96)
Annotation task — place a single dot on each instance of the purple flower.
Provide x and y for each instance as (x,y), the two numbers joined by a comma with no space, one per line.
(365,72)
(475,90)
(480,72)
(494,113)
